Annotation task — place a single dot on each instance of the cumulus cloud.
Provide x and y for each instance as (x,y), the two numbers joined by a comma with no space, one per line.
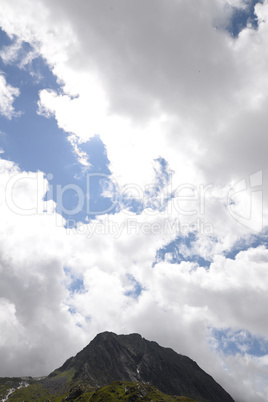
(32,277)
(9,54)
(191,299)
(135,83)
(7,97)
(46,314)
(154,80)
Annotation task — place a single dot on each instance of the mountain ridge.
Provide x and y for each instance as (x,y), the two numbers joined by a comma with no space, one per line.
(110,357)
(113,368)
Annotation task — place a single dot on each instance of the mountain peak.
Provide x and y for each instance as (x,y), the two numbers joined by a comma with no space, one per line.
(109,334)
(110,357)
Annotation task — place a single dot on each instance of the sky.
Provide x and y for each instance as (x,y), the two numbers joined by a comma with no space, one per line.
(133,176)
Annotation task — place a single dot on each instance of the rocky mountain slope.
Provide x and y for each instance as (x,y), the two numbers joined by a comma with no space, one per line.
(110,357)
(120,368)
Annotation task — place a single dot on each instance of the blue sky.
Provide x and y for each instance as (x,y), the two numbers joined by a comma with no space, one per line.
(241,17)
(37,143)
(240,342)
(157,120)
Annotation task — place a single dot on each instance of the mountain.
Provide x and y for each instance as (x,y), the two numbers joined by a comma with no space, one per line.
(110,357)
(119,368)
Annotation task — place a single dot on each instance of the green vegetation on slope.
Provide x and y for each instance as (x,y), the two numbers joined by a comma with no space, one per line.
(8,383)
(128,391)
(61,388)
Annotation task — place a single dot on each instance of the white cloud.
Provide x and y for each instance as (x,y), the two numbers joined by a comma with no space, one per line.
(9,54)
(7,97)
(153,80)
(233,293)
(148,93)
(32,287)
(184,296)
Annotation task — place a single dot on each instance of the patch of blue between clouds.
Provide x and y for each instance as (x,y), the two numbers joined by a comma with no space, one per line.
(181,249)
(163,175)
(153,196)
(81,199)
(137,288)
(239,342)
(249,242)
(241,17)
(36,143)
(158,197)
(75,284)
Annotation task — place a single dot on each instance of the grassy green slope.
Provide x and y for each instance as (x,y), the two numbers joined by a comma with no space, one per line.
(46,389)
(128,391)
(62,388)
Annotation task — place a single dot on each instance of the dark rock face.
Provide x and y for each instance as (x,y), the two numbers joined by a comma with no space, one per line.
(110,357)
